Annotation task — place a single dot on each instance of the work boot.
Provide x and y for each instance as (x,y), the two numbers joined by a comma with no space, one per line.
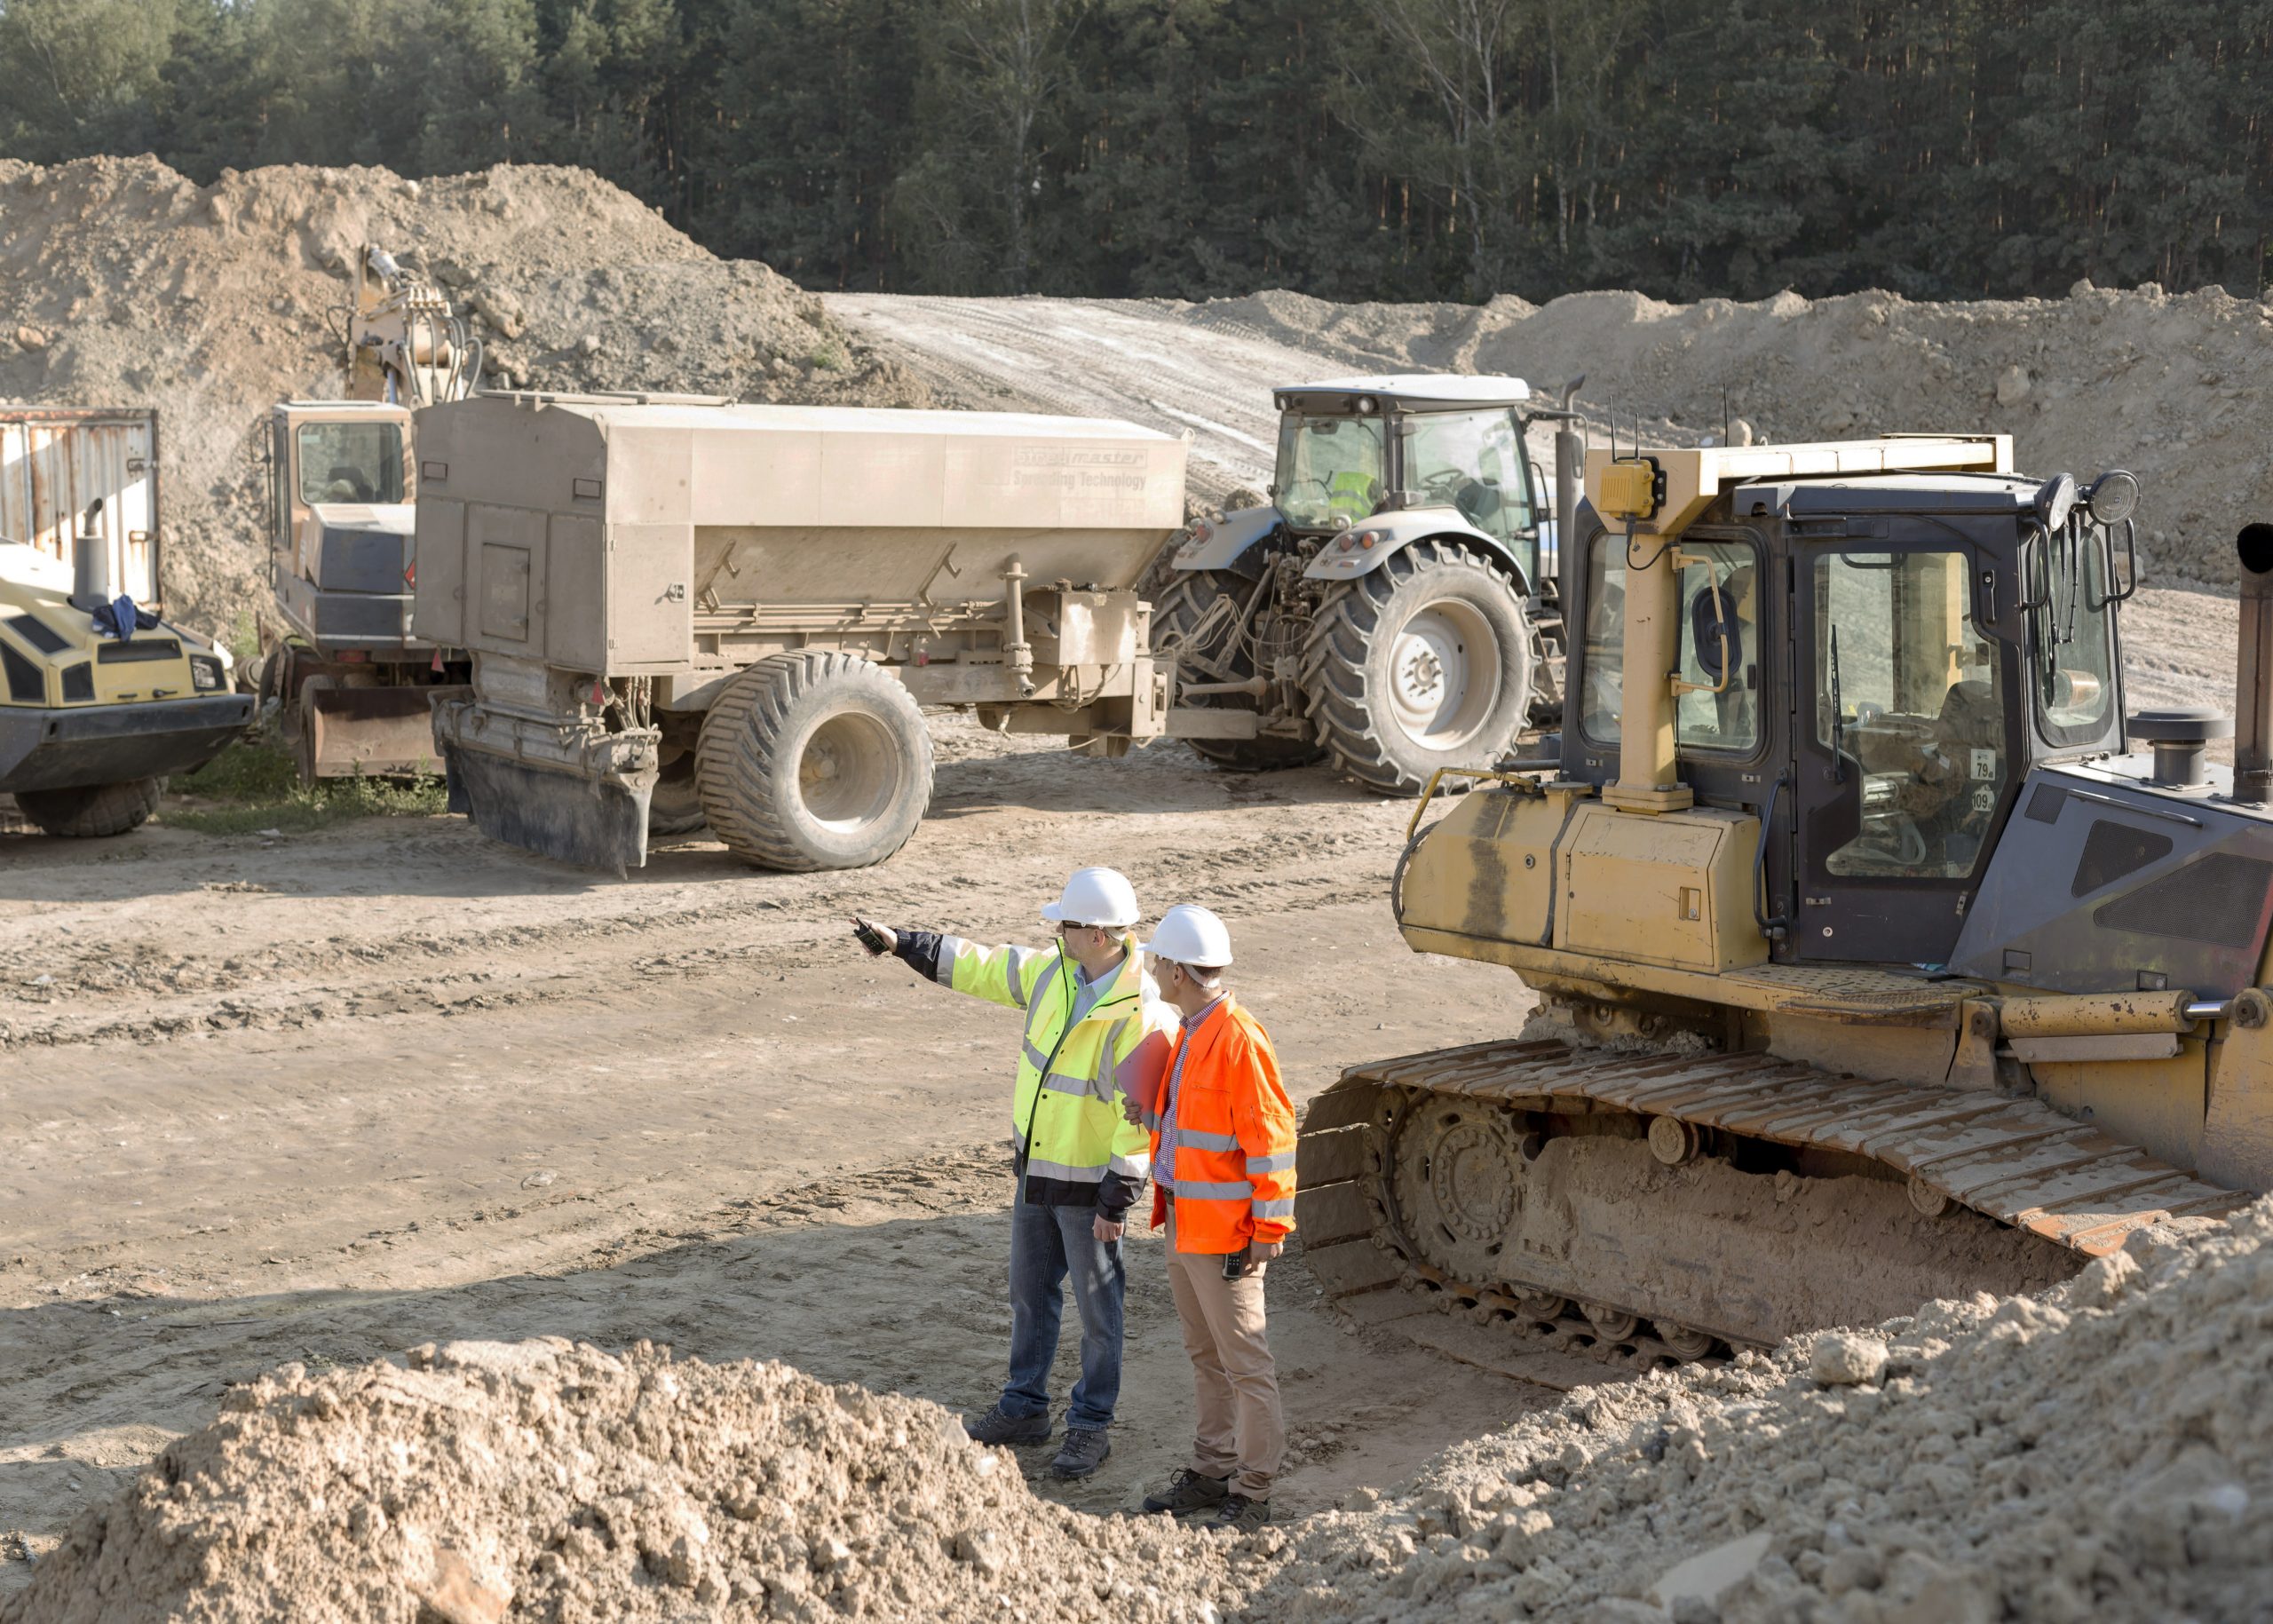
(1239,1514)
(1189,1491)
(995,1427)
(1084,1451)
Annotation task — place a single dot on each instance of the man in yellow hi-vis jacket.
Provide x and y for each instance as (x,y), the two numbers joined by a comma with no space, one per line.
(1097,1033)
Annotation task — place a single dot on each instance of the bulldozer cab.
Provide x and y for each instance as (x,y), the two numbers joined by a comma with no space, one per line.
(1871,665)
(1353,448)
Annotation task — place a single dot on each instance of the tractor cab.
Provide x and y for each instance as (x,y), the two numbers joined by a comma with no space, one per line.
(1351,450)
(1873,663)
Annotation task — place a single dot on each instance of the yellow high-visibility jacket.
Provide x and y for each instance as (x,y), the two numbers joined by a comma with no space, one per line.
(1087,1049)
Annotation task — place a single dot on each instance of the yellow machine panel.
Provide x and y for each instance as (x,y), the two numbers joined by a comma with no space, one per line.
(1488,871)
(1674,889)
(2157,1104)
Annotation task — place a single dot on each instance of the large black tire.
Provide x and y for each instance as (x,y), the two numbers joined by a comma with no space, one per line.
(813,761)
(93,811)
(1424,663)
(1176,613)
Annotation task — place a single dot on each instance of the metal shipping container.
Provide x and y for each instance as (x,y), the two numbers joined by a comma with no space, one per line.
(56,460)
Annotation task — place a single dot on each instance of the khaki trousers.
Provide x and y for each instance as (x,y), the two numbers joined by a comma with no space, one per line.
(1239,1432)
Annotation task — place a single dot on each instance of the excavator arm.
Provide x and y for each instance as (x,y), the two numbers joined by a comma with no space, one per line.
(404,343)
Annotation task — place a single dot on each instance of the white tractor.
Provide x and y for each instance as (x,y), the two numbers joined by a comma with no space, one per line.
(1394,607)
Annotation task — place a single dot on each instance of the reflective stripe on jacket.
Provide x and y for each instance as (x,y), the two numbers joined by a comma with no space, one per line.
(1234,1172)
(1085,1047)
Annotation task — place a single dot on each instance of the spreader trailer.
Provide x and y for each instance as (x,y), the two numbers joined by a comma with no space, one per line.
(681,610)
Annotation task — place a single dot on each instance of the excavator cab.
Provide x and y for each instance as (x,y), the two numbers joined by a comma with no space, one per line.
(351,682)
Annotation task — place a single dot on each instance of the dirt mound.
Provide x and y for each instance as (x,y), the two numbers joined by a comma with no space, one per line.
(2100,1450)
(123,283)
(549,1480)
(2170,387)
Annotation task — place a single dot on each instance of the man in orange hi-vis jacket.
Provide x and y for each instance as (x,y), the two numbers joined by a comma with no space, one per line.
(1224,1183)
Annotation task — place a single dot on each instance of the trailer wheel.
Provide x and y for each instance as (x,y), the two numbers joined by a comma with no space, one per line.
(1220,654)
(1424,663)
(813,760)
(676,805)
(92,811)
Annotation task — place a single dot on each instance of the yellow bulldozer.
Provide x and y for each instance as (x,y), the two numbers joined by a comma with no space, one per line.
(100,699)
(1871,968)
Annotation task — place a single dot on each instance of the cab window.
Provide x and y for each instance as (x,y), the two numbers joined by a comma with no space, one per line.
(1718,707)
(1719,588)
(1909,697)
(1473,462)
(2072,656)
(1605,638)
(350,461)
(1330,469)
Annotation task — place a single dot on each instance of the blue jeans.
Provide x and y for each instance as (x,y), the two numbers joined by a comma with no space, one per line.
(1047,1243)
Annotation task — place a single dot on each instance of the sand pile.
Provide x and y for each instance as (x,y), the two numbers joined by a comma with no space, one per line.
(546,1480)
(2170,387)
(123,283)
(2101,1451)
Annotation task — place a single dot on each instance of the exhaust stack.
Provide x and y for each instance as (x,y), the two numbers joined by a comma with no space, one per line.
(90,583)
(2253,668)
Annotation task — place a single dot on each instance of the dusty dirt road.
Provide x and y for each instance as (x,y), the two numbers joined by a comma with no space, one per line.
(327,1097)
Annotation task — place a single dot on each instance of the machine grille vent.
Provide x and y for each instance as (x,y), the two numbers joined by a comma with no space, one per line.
(2044,804)
(25,683)
(38,633)
(2219,901)
(79,681)
(141,648)
(2113,850)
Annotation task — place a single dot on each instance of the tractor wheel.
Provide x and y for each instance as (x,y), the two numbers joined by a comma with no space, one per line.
(1221,655)
(813,760)
(1424,663)
(92,811)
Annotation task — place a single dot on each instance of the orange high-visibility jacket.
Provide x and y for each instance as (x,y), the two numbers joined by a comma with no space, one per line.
(1234,1172)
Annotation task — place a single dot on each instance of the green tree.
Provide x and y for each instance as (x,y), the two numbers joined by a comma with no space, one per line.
(80,75)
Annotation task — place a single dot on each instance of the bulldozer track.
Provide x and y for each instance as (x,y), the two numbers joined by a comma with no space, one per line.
(2014,1161)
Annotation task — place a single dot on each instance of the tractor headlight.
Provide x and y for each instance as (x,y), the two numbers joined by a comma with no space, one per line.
(205,674)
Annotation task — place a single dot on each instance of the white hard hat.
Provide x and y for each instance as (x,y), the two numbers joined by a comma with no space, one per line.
(1095,897)
(1189,935)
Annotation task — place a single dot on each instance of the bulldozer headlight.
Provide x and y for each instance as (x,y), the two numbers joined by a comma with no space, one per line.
(1368,405)
(2114,497)
(2055,500)
(205,674)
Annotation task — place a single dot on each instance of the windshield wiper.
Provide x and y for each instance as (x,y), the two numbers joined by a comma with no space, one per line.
(1838,717)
